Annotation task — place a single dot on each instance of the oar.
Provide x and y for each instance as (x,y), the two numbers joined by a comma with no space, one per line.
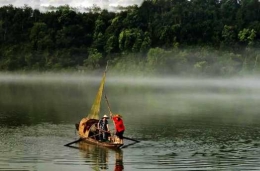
(124,146)
(80,139)
(131,139)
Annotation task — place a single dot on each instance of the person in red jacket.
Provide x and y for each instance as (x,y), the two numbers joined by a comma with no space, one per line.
(119,125)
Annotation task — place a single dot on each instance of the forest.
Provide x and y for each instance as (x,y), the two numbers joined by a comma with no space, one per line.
(180,37)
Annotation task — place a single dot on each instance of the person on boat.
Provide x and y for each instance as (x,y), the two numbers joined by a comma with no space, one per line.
(103,128)
(119,125)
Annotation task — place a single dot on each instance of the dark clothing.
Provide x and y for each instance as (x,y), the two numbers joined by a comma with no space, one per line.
(103,124)
(103,134)
(120,134)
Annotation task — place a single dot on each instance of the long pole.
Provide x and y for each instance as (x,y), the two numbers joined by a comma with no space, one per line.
(110,112)
(108,106)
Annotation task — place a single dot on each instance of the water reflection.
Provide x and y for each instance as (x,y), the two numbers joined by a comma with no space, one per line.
(119,161)
(99,157)
(183,124)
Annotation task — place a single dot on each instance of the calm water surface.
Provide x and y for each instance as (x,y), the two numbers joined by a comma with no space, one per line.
(183,124)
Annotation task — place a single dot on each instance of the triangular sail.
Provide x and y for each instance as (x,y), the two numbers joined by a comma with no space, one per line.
(95,109)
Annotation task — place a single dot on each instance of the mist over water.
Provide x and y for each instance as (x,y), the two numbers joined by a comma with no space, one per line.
(183,123)
(236,98)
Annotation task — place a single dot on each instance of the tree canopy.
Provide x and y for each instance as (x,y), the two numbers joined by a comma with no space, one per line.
(166,36)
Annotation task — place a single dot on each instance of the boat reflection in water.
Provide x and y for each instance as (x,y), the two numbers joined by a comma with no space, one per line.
(99,156)
(119,160)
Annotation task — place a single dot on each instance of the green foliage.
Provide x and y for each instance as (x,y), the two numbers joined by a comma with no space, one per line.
(39,36)
(156,56)
(157,36)
(111,45)
(132,63)
(146,44)
(200,66)
(93,59)
(229,36)
(247,36)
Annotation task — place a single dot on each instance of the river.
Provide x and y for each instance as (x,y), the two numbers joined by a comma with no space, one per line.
(182,123)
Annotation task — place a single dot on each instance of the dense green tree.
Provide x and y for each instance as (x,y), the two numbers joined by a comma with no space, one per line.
(39,37)
(111,45)
(146,44)
(229,36)
(93,60)
(247,36)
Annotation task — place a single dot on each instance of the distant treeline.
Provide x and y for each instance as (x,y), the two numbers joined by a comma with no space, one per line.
(216,37)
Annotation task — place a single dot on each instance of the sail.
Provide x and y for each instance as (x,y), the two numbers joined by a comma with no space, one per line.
(95,109)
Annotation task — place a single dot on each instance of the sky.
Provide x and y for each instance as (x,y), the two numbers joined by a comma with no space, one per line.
(40,4)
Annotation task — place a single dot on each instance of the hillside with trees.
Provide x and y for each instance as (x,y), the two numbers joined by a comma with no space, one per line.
(205,37)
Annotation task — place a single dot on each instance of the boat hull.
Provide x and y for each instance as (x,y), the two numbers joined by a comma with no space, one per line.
(103,144)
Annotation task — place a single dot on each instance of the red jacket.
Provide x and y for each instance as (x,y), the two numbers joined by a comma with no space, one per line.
(119,124)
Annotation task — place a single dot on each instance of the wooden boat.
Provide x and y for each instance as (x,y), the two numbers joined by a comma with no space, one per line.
(87,127)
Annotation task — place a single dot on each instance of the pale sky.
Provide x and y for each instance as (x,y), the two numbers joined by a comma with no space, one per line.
(40,4)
